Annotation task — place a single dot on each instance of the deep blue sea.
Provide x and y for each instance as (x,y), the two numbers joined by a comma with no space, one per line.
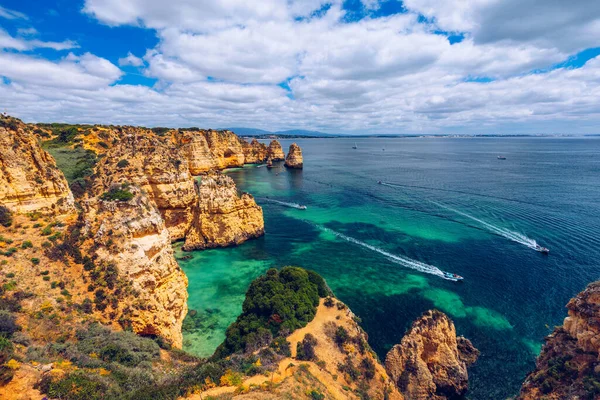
(448,204)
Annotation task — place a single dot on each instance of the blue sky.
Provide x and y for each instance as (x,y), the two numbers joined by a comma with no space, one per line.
(353,66)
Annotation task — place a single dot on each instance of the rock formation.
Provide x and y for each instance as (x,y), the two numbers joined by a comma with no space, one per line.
(226,148)
(255,152)
(199,155)
(275,152)
(294,157)
(431,361)
(132,236)
(567,367)
(222,217)
(160,170)
(29,178)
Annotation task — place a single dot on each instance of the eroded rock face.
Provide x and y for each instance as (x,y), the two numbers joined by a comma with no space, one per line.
(198,153)
(222,217)
(132,235)
(159,170)
(275,152)
(254,152)
(431,361)
(567,367)
(226,148)
(294,157)
(29,178)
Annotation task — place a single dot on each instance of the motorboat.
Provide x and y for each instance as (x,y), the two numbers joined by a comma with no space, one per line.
(301,207)
(541,249)
(379,182)
(453,277)
(501,158)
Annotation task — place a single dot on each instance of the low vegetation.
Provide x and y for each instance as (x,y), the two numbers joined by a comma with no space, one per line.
(276,304)
(118,193)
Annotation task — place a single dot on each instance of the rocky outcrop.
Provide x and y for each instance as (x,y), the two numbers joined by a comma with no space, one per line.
(194,147)
(29,178)
(159,170)
(255,152)
(275,152)
(132,235)
(431,361)
(222,217)
(226,148)
(294,157)
(567,367)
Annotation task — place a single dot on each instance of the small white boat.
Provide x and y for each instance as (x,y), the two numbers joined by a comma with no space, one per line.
(355,146)
(501,158)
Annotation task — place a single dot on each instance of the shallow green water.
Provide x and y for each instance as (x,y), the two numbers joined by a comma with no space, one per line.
(455,208)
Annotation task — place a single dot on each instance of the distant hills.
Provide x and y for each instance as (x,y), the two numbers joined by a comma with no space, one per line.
(292,133)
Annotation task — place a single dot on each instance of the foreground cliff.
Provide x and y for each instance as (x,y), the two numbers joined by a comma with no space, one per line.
(568,367)
(431,361)
(29,178)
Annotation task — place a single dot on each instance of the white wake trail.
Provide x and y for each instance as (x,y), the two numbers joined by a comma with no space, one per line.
(404,261)
(508,234)
(286,204)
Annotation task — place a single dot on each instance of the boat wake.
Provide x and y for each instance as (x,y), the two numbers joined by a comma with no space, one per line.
(404,261)
(285,204)
(506,233)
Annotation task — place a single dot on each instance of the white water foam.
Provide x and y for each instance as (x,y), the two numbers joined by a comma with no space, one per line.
(404,261)
(508,234)
(286,204)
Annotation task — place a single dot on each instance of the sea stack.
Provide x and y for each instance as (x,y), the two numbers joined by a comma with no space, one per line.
(294,157)
(275,152)
(431,361)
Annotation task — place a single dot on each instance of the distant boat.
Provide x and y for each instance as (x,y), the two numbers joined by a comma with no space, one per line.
(355,146)
(501,158)
(269,163)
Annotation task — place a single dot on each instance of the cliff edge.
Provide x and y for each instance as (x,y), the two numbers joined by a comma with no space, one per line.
(431,361)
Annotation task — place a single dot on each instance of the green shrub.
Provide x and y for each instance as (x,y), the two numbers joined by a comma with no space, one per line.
(316,395)
(35,261)
(47,230)
(27,244)
(305,350)
(368,368)
(117,194)
(123,164)
(6,216)
(77,385)
(8,324)
(341,335)
(279,301)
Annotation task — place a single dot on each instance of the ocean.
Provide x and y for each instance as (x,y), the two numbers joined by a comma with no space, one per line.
(445,204)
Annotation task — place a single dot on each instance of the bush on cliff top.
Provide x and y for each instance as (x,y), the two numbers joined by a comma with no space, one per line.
(117,194)
(277,303)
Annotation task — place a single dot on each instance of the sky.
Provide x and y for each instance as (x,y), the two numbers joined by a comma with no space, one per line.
(339,66)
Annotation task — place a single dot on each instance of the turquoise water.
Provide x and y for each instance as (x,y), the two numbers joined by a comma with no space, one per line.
(450,205)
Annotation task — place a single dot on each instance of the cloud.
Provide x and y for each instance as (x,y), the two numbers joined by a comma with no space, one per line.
(281,64)
(131,60)
(21,44)
(82,72)
(11,14)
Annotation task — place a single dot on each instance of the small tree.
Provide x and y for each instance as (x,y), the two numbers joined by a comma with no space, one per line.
(305,350)
(6,217)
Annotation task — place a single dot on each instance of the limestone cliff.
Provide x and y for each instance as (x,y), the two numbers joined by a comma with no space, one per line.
(160,170)
(222,217)
(294,157)
(275,152)
(132,235)
(226,148)
(254,152)
(567,367)
(194,147)
(29,178)
(431,361)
